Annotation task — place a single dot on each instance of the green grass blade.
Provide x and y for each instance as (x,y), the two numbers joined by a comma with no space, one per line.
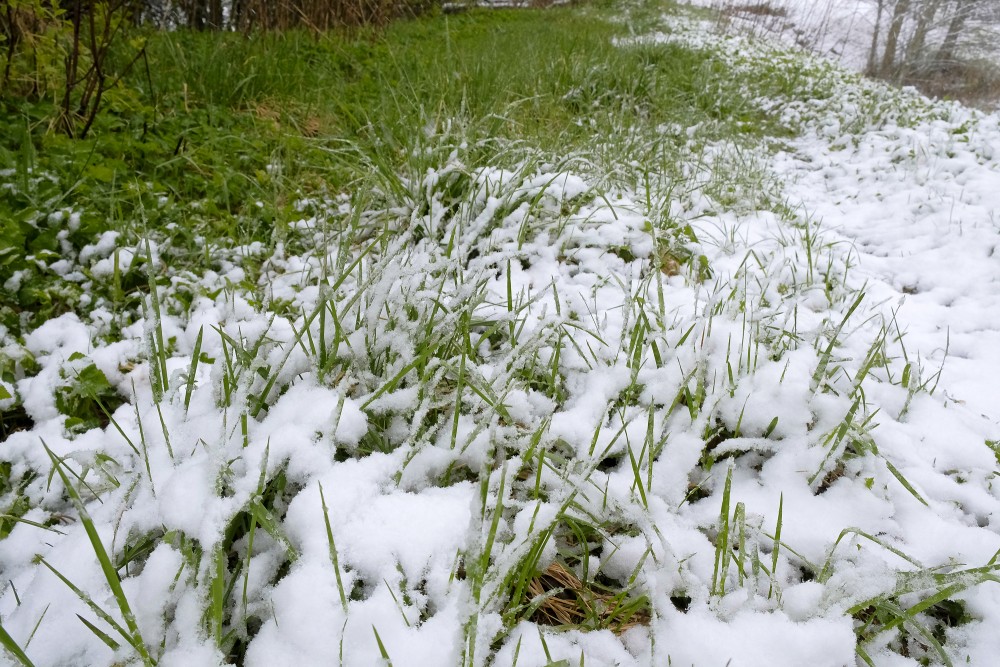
(107,566)
(103,636)
(193,370)
(28,522)
(86,599)
(637,477)
(333,550)
(266,520)
(381,648)
(824,360)
(906,484)
(217,597)
(11,647)
(722,541)
(776,545)
(158,351)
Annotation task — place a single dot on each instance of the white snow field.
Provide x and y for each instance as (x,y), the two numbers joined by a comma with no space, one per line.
(758,416)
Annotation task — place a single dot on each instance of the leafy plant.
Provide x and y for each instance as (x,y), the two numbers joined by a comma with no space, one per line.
(88,399)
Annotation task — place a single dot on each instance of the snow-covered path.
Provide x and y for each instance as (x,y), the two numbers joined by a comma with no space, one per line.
(906,212)
(917,212)
(920,207)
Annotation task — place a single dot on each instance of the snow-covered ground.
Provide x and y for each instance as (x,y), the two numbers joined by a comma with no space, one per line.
(843,29)
(775,425)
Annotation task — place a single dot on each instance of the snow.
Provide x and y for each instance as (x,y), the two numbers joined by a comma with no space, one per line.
(840,29)
(699,637)
(882,484)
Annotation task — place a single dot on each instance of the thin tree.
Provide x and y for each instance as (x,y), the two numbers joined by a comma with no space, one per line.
(899,13)
(963,9)
(872,67)
(925,16)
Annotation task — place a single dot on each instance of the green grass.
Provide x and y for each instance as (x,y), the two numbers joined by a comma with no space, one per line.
(449,67)
(224,132)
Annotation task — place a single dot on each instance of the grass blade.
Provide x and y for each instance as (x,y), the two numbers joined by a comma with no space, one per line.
(86,599)
(381,648)
(11,646)
(134,637)
(192,371)
(824,359)
(333,550)
(103,636)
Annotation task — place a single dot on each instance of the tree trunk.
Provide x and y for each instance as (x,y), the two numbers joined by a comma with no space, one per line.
(962,10)
(238,18)
(195,10)
(215,14)
(12,35)
(925,18)
(871,67)
(892,38)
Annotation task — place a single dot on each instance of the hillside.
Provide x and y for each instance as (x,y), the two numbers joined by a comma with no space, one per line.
(638,344)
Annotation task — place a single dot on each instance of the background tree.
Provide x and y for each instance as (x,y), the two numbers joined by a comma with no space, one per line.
(922,34)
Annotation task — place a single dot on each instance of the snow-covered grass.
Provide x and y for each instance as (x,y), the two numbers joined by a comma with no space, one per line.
(683,354)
